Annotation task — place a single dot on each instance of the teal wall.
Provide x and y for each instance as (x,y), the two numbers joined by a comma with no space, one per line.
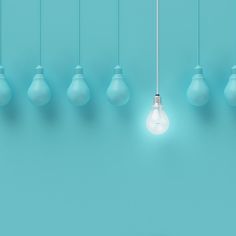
(96,170)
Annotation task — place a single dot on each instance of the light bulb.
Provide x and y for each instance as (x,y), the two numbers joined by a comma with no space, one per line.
(118,92)
(157,121)
(78,92)
(230,89)
(198,91)
(39,92)
(5,90)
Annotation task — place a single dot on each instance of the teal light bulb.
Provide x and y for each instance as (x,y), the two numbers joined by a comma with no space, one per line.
(118,92)
(230,89)
(5,90)
(198,91)
(39,92)
(78,92)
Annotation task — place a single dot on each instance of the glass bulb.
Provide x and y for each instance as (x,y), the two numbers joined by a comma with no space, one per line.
(198,91)
(78,92)
(5,90)
(230,89)
(157,121)
(39,92)
(118,92)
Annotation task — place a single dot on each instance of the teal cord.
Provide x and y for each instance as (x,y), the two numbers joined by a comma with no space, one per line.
(198,32)
(118,32)
(40,32)
(78,31)
(1,32)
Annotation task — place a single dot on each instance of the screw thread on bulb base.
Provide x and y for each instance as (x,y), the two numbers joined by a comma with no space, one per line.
(157,99)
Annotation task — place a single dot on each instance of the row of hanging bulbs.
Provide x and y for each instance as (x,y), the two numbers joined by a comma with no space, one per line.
(118,92)
(78,91)
(198,91)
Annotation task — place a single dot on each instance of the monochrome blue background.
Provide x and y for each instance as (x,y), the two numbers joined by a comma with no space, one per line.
(96,170)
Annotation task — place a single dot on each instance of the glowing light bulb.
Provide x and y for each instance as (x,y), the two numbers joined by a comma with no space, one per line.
(157,121)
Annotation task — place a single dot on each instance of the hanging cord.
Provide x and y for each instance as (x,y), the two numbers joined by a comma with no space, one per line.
(40,32)
(157,46)
(198,33)
(78,31)
(1,32)
(118,32)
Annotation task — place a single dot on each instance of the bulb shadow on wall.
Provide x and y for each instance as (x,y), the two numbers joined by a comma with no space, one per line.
(125,114)
(205,113)
(50,112)
(11,112)
(231,111)
(88,113)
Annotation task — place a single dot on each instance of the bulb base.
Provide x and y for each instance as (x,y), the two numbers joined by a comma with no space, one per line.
(157,100)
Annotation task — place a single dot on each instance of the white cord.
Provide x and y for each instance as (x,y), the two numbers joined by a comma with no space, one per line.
(157,46)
